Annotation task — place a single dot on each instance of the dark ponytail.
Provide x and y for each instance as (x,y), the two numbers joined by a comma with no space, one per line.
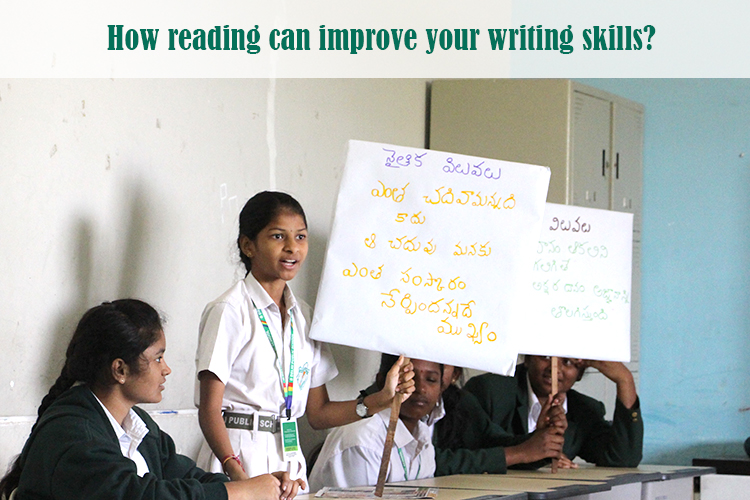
(119,329)
(259,211)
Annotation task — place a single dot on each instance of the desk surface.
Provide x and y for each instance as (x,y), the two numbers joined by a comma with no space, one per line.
(617,475)
(458,494)
(611,475)
(548,489)
(543,485)
(677,471)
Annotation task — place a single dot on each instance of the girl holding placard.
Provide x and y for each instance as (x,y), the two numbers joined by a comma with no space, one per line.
(258,370)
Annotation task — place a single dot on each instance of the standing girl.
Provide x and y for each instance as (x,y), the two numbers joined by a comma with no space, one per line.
(257,368)
(91,442)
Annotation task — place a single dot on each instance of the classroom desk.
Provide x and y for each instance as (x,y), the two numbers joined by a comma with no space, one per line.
(646,482)
(732,479)
(643,482)
(548,489)
(625,484)
(458,494)
(676,482)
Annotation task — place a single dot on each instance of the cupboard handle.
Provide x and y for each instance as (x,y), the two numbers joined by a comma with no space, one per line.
(617,166)
(604,158)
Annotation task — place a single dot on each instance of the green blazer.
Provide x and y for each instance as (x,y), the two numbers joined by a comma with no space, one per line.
(73,454)
(613,444)
(477,445)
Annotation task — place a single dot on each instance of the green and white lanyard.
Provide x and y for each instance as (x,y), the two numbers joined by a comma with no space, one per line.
(403,461)
(287,385)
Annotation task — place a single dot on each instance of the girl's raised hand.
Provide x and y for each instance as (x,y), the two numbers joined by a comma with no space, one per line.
(619,374)
(400,379)
(613,370)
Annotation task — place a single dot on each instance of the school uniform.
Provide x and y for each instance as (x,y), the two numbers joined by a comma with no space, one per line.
(235,346)
(613,444)
(477,446)
(352,453)
(74,453)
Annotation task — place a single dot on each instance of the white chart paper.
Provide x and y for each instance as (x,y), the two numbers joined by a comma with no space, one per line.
(429,254)
(580,288)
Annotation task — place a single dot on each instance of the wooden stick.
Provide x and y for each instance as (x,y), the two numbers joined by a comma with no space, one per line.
(553,360)
(388,446)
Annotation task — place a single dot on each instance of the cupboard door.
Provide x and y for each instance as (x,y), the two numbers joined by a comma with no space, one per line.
(627,168)
(627,164)
(590,151)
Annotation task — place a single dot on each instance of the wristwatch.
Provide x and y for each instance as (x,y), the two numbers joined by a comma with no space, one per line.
(361,407)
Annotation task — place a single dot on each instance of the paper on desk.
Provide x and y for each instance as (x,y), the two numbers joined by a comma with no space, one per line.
(398,492)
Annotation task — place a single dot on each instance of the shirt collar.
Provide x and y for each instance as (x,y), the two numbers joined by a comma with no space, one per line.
(260,297)
(131,432)
(436,414)
(403,437)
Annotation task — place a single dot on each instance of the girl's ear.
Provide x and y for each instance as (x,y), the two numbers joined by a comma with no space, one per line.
(247,246)
(119,370)
(458,371)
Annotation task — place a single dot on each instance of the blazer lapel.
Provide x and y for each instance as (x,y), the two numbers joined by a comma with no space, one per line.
(522,399)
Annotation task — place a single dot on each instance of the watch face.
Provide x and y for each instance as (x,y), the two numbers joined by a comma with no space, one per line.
(361,410)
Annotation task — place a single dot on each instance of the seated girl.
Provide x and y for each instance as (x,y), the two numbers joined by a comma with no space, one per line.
(91,442)
(351,454)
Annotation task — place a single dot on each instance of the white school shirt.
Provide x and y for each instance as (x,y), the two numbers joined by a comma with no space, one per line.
(432,418)
(130,435)
(233,346)
(535,407)
(351,454)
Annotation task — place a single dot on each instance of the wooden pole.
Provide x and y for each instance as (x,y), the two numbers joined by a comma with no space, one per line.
(555,388)
(388,446)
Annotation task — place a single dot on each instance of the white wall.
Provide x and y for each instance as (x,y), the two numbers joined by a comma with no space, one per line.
(117,188)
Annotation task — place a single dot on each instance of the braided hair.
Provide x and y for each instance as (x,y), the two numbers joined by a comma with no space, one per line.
(120,329)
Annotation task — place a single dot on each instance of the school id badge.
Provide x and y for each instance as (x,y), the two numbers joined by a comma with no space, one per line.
(290,438)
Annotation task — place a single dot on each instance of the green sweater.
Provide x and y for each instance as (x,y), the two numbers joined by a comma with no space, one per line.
(73,454)
(613,444)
